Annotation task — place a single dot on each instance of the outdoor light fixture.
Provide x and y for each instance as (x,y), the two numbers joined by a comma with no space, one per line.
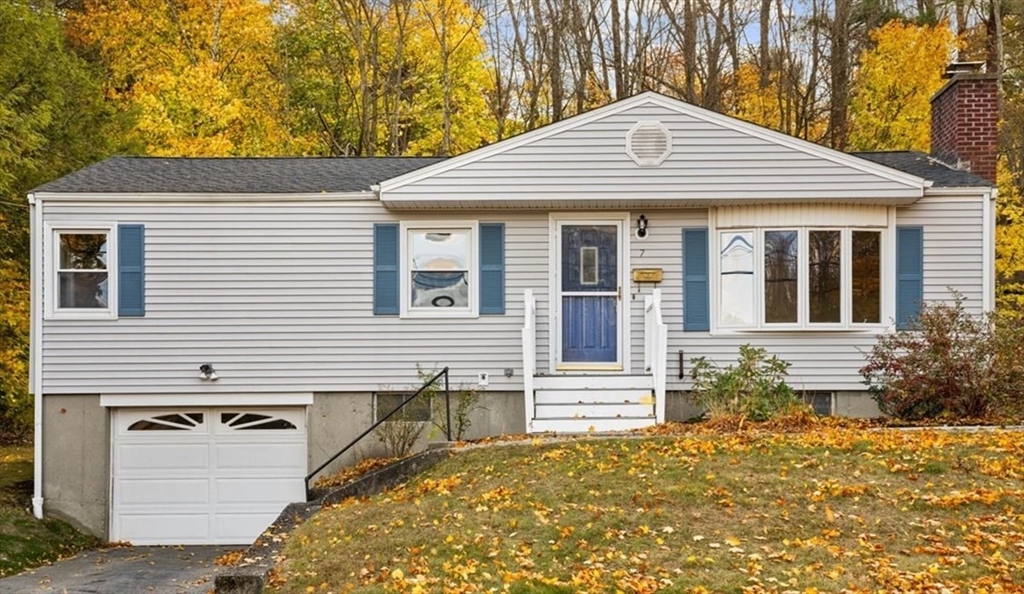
(206,373)
(641,227)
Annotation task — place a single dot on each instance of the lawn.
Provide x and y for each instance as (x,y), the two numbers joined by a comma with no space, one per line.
(25,541)
(834,508)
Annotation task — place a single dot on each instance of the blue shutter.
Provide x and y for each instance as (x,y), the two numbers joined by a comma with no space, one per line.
(696,313)
(909,274)
(131,271)
(492,268)
(385,269)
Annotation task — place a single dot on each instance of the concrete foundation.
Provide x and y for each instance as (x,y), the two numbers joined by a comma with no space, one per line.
(76,461)
(336,418)
(855,404)
(678,407)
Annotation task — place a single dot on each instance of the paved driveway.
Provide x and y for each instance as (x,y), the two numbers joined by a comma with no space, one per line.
(127,570)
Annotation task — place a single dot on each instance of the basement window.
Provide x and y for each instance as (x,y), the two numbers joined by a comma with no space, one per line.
(416,411)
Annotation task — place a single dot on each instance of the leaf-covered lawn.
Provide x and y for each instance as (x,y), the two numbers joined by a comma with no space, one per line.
(832,509)
(25,541)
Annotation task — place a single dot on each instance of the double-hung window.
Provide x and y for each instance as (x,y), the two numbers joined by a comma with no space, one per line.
(438,277)
(800,278)
(83,272)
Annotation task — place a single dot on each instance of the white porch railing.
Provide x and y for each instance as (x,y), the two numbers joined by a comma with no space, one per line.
(529,352)
(655,350)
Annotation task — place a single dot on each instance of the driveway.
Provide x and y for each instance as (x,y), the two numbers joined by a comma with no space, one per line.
(124,570)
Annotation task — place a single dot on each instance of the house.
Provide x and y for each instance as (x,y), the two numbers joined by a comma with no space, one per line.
(570,272)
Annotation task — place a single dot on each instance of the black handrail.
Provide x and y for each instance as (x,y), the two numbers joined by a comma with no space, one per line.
(423,388)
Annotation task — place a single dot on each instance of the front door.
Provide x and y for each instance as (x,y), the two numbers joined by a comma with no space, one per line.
(590,290)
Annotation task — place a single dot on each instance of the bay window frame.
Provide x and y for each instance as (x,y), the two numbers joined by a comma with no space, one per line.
(887,257)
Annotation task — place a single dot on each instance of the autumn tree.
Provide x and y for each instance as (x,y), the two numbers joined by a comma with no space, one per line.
(53,120)
(387,77)
(895,80)
(196,74)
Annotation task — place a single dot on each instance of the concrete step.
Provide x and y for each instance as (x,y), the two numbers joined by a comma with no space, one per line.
(593,382)
(588,425)
(593,410)
(622,396)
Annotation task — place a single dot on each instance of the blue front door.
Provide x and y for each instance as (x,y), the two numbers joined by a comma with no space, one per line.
(590,293)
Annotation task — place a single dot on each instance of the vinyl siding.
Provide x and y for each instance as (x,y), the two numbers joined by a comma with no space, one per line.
(831,360)
(953,246)
(278,298)
(709,161)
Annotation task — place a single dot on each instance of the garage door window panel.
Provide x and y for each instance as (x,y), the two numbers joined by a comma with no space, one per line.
(255,421)
(169,422)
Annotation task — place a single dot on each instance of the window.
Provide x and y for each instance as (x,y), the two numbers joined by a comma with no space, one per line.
(169,422)
(439,271)
(82,272)
(418,410)
(807,278)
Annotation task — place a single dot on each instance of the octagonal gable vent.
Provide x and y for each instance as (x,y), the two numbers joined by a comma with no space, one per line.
(648,143)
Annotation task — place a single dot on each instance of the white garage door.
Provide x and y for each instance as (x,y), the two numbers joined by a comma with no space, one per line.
(204,475)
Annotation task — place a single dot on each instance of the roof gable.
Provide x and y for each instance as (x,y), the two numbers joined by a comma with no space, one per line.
(585,160)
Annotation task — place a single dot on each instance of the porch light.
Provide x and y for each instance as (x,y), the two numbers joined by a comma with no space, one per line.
(641,227)
(206,373)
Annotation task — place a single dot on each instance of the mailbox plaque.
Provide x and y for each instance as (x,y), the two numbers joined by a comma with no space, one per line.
(647,275)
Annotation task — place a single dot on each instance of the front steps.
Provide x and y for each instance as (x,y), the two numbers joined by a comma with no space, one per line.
(592,403)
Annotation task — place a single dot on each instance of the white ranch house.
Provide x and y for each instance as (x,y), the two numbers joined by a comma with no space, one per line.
(570,273)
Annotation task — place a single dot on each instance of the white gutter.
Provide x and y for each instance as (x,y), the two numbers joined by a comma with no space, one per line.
(36,351)
(988,271)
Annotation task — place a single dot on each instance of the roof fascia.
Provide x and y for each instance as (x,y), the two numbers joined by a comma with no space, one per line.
(960,191)
(516,141)
(189,197)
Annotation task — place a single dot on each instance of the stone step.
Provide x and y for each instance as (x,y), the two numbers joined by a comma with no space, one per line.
(588,425)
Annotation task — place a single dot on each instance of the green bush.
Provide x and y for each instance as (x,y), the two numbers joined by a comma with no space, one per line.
(949,363)
(754,389)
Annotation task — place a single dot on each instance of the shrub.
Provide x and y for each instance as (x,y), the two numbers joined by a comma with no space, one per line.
(950,362)
(464,400)
(754,389)
(400,433)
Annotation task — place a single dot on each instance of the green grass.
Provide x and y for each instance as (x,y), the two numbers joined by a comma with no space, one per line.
(831,509)
(26,542)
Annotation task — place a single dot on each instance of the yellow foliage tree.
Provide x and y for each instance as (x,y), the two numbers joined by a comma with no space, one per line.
(401,77)
(769,106)
(897,76)
(1009,241)
(196,74)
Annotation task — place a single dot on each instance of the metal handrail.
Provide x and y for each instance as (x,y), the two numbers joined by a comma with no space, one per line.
(448,427)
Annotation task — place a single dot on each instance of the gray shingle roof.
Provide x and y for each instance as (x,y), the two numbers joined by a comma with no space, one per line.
(235,175)
(922,165)
(301,175)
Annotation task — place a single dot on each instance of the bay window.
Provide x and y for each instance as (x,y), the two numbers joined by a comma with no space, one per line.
(799,278)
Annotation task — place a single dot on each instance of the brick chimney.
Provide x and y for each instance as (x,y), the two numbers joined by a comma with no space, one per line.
(965,119)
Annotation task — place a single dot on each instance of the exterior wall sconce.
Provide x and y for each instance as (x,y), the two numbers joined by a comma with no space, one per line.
(207,374)
(641,227)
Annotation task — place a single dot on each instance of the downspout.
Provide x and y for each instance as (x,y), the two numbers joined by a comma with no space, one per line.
(35,365)
(988,259)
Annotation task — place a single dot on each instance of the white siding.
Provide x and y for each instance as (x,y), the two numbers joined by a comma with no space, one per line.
(278,298)
(588,163)
(804,215)
(831,360)
(953,246)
